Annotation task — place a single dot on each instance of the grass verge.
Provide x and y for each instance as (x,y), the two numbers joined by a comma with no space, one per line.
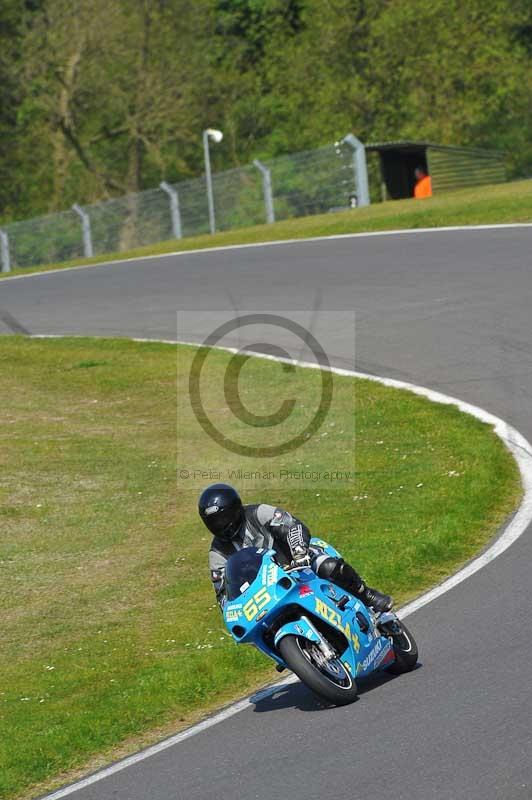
(110,636)
(502,203)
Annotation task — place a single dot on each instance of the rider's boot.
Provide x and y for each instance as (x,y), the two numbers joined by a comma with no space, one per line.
(374,599)
(343,575)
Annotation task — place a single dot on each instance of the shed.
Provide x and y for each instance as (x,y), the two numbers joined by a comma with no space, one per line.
(449,167)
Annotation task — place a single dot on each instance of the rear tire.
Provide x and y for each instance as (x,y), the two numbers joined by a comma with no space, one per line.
(330,680)
(405,650)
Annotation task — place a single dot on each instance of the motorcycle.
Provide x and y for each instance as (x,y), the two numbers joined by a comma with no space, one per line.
(323,634)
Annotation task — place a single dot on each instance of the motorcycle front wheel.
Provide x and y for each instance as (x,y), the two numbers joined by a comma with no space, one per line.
(328,678)
(405,650)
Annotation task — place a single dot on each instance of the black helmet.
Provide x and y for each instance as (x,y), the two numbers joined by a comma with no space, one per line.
(221,509)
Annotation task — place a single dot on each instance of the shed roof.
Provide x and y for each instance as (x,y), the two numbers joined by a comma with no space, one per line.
(406,145)
(399,145)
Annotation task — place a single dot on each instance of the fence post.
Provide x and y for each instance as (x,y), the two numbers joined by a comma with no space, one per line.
(267,190)
(174,209)
(4,252)
(360,168)
(86,229)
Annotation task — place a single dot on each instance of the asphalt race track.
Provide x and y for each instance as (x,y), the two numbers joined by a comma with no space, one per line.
(448,310)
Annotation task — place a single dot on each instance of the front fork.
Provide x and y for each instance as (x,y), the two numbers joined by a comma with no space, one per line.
(304,627)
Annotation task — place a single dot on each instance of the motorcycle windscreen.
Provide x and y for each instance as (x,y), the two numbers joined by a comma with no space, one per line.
(241,570)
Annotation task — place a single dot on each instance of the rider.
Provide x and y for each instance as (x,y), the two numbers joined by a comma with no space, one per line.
(235,526)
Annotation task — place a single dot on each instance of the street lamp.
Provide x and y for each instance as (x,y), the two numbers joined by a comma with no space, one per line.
(216,136)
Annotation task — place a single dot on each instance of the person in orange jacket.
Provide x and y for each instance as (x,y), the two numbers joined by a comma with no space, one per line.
(423,187)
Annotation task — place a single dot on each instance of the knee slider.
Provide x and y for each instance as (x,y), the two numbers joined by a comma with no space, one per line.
(329,567)
(340,572)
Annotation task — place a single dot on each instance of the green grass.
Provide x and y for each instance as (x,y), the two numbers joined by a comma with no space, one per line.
(502,203)
(110,635)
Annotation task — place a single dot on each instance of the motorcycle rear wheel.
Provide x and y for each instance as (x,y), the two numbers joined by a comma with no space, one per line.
(330,680)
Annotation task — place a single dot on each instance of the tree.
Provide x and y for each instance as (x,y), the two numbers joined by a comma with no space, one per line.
(15,168)
(112,94)
(462,78)
(101,98)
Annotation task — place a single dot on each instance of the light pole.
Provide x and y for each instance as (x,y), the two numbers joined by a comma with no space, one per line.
(216,136)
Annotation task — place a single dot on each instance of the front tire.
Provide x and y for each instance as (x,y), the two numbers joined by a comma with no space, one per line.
(405,650)
(330,680)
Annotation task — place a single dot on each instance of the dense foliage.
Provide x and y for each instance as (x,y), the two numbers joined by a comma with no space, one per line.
(103,97)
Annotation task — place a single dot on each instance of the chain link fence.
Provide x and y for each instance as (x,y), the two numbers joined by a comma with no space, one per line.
(296,185)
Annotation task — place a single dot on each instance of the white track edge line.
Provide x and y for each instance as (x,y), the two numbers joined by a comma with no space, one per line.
(273,243)
(520,448)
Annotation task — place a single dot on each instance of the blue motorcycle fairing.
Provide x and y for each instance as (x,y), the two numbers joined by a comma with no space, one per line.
(273,593)
(328,549)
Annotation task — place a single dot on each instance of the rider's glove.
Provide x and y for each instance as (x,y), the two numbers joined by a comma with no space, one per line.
(300,557)
(218,580)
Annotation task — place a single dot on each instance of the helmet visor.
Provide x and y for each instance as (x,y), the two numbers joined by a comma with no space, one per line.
(223,522)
